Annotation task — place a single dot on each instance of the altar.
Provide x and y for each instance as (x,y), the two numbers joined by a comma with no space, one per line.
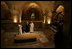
(30,37)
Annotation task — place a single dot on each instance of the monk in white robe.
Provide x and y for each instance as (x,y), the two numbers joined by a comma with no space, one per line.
(31,27)
(20,28)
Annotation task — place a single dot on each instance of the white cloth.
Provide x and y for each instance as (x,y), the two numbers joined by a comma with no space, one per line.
(31,27)
(20,29)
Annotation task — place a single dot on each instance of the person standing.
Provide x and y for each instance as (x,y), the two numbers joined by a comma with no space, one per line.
(20,28)
(59,36)
(27,27)
(31,27)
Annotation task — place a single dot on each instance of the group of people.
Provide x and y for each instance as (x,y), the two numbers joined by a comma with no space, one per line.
(28,27)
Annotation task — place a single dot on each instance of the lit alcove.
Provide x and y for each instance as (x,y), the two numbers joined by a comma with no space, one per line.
(33,12)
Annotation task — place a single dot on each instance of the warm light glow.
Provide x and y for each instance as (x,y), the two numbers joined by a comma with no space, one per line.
(15,19)
(49,21)
(50,14)
(44,20)
(33,4)
(20,19)
(20,16)
(60,9)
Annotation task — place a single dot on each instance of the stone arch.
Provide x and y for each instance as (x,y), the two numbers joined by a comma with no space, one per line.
(32,7)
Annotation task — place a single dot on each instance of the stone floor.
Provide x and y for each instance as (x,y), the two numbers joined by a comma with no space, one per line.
(7,41)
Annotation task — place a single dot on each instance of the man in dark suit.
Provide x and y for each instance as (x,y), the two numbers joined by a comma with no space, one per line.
(27,27)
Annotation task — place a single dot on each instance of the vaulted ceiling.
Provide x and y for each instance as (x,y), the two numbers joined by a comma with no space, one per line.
(18,8)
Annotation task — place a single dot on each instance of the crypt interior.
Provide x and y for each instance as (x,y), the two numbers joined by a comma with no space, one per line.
(52,21)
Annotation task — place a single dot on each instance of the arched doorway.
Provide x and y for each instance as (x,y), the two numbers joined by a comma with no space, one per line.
(33,12)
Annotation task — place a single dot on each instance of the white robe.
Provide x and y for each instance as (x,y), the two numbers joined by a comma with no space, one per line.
(31,27)
(20,29)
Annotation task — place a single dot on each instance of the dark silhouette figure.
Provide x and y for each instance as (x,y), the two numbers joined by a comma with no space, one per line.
(26,27)
(59,34)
